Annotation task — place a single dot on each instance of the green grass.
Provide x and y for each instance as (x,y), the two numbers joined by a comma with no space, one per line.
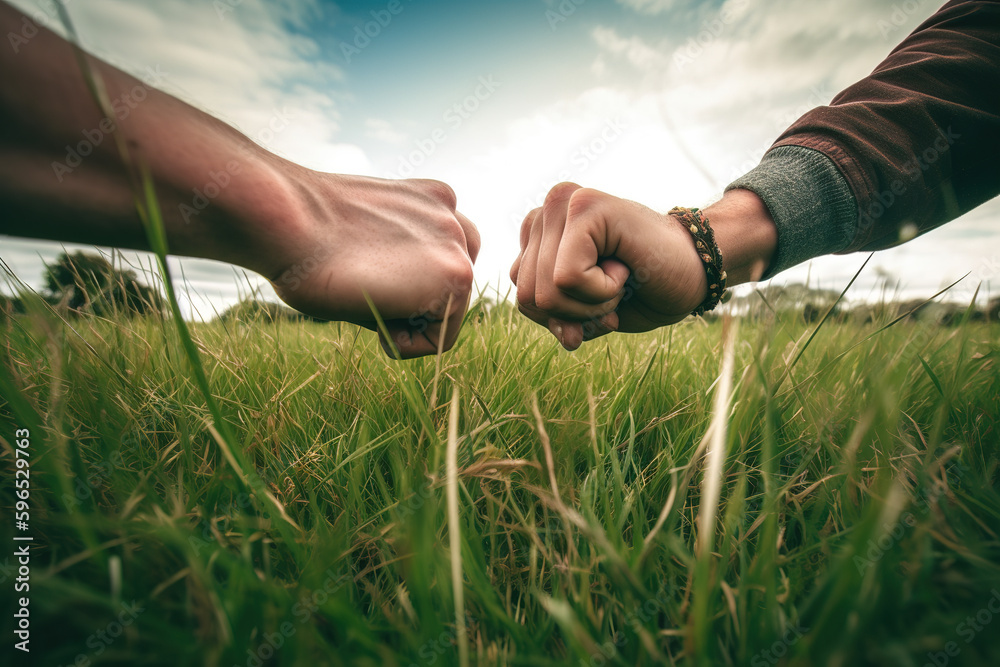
(302,511)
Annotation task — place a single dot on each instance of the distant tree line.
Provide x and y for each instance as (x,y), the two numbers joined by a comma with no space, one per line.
(812,304)
(252,310)
(87,283)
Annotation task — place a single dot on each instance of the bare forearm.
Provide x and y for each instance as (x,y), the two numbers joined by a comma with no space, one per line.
(746,235)
(62,175)
(332,244)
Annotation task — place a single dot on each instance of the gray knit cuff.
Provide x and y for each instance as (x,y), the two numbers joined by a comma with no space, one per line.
(810,201)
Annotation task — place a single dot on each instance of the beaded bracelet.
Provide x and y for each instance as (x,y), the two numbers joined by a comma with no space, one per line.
(708,251)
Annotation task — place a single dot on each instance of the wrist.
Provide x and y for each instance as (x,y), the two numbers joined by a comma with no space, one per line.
(260,219)
(746,235)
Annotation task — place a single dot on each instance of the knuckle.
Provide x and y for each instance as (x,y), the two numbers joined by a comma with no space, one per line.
(525,297)
(559,195)
(528,221)
(527,225)
(460,274)
(474,241)
(546,300)
(532,314)
(563,279)
(584,199)
(442,192)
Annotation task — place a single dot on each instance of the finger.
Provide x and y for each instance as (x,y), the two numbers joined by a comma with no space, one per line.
(554,215)
(515,269)
(598,283)
(422,336)
(569,334)
(526,224)
(414,341)
(473,241)
(585,269)
(600,327)
(566,288)
(523,237)
(526,269)
(407,341)
(576,311)
(534,314)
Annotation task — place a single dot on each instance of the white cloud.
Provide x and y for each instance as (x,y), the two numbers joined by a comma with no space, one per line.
(383,130)
(636,51)
(242,65)
(240,62)
(748,78)
(757,73)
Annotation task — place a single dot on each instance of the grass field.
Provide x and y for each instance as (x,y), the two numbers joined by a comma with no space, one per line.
(301,516)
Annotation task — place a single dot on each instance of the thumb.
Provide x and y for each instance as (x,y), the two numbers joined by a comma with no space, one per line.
(616,271)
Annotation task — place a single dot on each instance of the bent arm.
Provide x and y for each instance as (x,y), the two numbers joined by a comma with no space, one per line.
(330,243)
(903,151)
(62,177)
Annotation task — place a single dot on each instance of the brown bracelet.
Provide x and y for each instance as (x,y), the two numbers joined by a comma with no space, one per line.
(708,251)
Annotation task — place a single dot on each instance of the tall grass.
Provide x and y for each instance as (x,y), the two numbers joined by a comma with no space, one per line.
(856,519)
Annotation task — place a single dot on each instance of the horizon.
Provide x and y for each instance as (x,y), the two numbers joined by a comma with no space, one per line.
(652,100)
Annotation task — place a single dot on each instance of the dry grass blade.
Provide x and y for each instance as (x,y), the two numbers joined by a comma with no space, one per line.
(454,535)
(547,448)
(716,455)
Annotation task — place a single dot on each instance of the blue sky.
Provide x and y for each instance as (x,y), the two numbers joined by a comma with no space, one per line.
(661,101)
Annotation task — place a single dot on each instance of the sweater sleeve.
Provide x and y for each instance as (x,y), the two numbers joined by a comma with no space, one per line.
(899,153)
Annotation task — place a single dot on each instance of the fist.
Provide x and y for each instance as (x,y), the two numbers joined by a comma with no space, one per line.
(400,244)
(591,263)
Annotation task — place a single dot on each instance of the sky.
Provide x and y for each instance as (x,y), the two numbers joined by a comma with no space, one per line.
(660,101)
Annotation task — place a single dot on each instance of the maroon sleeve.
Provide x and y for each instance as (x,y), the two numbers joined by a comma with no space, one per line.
(918,140)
